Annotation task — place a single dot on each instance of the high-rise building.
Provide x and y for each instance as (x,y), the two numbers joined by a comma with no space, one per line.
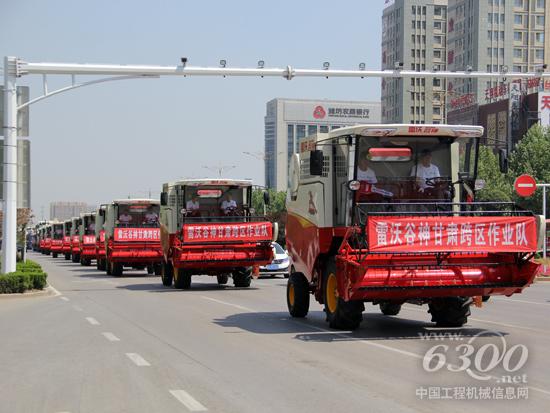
(64,210)
(289,120)
(495,36)
(414,37)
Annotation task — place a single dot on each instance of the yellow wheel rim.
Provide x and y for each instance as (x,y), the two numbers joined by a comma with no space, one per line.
(332,293)
(291,297)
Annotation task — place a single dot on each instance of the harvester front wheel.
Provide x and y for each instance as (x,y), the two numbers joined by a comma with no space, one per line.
(182,279)
(167,274)
(67,256)
(117,269)
(297,295)
(450,311)
(222,279)
(341,315)
(389,308)
(54,255)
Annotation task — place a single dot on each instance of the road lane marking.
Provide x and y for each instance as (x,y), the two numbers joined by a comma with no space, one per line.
(56,293)
(77,308)
(64,298)
(92,321)
(240,307)
(188,401)
(110,336)
(519,301)
(137,359)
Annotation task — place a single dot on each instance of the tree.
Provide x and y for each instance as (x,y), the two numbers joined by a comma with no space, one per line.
(531,156)
(497,187)
(276,210)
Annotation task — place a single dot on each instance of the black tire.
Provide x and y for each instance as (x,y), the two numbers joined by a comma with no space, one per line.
(297,295)
(287,275)
(450,311)
(167,274)
(100,264)
(75,258)
(222,279)
(108,267)
(117,269)
(242,277)
(157,269)
(341,315)
(485,298)
(182,279)
(54,255)
(150,270)
(67,256)
(389,308)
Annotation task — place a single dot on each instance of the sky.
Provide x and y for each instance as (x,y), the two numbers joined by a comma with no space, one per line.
(127,138)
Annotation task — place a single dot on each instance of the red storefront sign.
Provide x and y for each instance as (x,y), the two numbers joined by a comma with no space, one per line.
(448,234)
(137,234)
(255,231)
(88,239)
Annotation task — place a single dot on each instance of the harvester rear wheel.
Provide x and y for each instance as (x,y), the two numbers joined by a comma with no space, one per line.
(450,311)
(222,279)
(242,277)
(341,315)
(108,267)
(54,254)
(117,269)
(389,308)
(67,256)
(182,279)
(167,274)
(297,295)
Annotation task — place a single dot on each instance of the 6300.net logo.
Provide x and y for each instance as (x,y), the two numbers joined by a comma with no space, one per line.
(479,361)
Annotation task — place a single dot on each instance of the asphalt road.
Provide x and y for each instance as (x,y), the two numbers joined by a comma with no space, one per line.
(105,344)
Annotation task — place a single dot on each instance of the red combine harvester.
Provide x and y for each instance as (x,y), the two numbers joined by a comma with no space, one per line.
(209,227)
(57,239)
(132,235)
(100,238)
(47,241)
(386,214)
(76,222)
(86,239)
(67,224)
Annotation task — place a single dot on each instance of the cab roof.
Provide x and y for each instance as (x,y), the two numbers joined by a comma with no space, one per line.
(420,130)
(136,201)
(210,181)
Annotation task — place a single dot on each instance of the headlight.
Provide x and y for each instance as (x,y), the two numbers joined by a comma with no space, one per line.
(354,185)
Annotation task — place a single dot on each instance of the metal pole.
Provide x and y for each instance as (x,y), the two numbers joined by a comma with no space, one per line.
(9,228)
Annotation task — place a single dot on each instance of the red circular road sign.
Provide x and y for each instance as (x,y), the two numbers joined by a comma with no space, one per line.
(525,185)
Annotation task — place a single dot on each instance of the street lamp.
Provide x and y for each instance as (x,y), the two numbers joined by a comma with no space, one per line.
(219,169)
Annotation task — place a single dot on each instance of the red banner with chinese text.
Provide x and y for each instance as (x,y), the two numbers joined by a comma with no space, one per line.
(447,234)
(88,239)
(254,231)
(102,236)
(137,234)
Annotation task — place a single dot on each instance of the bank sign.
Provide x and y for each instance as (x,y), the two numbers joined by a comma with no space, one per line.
(340,113)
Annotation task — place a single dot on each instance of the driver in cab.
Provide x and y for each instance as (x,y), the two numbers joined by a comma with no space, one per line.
(425,171)
(228,205)
(364,172)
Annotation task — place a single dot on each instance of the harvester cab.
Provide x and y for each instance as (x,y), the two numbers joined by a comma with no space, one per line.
(57,239)
(76,222)
(86,237)
(67,225)
(100,237)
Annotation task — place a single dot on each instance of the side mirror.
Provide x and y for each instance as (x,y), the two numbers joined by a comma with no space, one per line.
(267,200)
(163,198)
(503,161)
(316,163)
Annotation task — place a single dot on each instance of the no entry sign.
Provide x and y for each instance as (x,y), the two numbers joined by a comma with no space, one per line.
(525,185)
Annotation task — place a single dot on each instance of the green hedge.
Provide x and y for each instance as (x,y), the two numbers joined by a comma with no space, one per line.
(28,275)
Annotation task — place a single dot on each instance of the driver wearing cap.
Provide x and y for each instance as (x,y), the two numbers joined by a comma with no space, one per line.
(425,170)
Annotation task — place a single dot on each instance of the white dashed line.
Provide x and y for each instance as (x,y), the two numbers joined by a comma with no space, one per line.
(77,308)
(92,321)
(56,293)
(110,336)
(240,307)
(188,401)
(137,359)
(64,298)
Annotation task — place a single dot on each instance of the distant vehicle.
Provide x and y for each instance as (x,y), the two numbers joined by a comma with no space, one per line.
(132,235)
(100,238)
(76,222)
(280,264)
(86,238)
(47,244)
(56,245)
(209,227)
(67,224)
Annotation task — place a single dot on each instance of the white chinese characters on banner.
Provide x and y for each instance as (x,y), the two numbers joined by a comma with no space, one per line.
(195,233)
(447,234)
(137,234)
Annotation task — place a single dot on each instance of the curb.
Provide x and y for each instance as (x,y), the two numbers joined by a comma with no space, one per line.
(49,290)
